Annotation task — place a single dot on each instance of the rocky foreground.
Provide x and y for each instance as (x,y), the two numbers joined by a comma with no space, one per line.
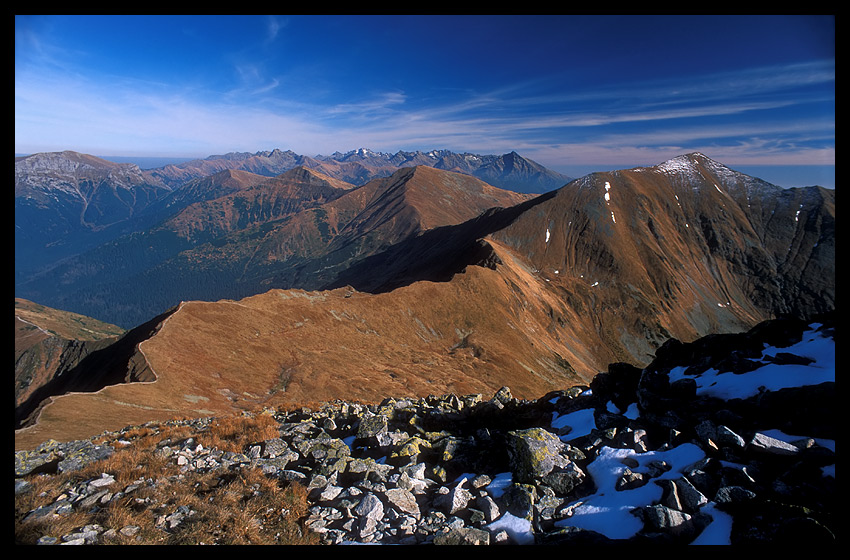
(679,452)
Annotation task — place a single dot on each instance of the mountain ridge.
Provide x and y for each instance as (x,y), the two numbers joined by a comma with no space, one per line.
(68,202)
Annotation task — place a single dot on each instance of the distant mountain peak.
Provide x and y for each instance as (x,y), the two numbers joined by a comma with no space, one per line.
(696,168)
(683,161)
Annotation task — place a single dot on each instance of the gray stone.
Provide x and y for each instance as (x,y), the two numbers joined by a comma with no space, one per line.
(372,431)
(370,510)
(669,521)
(22,486)
(563,482)
(129,530)
(488,507)
(404,500)
(727,438)
(733,495)
(104,480)
(55,508)
(766,444)
(454,501)
(33,462)
(629,480)
(463,536)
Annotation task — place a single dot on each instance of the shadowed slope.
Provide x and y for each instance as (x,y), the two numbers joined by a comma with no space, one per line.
(100,364)
(95,283)
(48,342)
(296,230)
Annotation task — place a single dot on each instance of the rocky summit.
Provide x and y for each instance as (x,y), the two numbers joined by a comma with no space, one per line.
(729,439)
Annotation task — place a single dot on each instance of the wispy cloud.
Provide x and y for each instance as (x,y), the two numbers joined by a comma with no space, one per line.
(555,119)
(736,113)
(273,26)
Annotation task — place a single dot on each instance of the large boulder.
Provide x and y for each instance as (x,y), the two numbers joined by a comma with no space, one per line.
(534,453)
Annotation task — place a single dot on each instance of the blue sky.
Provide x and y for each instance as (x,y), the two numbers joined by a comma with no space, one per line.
(575,93)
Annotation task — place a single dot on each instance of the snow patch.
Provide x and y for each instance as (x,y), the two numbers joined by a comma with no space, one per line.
(500,483)
(580,422)
(608,511)
(770,376)
(517,528)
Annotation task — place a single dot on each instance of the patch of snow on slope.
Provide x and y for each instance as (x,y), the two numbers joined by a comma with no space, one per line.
(608,511)
(581,423)
(771,376)
(517,528)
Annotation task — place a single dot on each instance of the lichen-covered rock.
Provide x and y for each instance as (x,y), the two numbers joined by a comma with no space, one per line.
(463,536)
(534,453)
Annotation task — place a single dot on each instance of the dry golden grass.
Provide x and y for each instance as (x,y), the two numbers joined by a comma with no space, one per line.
(248,508)
(232,433)
(230,507)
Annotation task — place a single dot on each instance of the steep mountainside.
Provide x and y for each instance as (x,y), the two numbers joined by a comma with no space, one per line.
(255,203)
(687,247)
(67,202)
(290,347)
(633,257)
(49,342)
(299,229)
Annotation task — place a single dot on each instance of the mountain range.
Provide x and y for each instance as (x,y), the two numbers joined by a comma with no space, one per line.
(255,291)
(68,202)
(508,171)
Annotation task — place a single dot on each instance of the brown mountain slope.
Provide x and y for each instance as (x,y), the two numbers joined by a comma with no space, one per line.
(55,322)
(683,249)
(309,248)
(291,348)
(254,201)
(385,211)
